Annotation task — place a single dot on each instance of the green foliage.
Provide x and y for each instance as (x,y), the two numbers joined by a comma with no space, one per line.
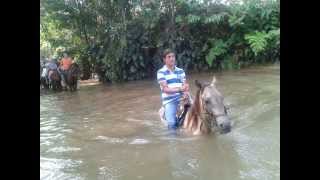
(123,40)
(216,18)
(258,41)
(274,36)
(219,48)
(261,41)
(193,19)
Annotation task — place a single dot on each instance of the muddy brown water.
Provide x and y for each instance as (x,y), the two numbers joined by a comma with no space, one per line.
(114,132)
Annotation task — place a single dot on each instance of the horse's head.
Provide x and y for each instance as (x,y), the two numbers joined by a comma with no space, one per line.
(211,101)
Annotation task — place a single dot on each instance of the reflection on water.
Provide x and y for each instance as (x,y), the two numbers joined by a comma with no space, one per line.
(114,132)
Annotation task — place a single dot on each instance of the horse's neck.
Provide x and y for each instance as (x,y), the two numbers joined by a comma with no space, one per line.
(196,121)
(192,116)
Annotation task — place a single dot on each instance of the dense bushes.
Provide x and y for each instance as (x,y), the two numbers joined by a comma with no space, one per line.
(123,40)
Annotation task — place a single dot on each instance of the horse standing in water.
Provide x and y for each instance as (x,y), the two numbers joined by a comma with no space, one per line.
(44,82)
(72,76)
(55,80)
(206,112)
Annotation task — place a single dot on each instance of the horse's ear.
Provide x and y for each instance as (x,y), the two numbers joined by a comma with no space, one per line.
(198,84)
(214,80)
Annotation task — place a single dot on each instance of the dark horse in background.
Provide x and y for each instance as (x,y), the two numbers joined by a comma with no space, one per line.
(55,80)
(72,76)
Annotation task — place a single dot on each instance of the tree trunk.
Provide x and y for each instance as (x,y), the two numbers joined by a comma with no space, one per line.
(172,23)
(86,73)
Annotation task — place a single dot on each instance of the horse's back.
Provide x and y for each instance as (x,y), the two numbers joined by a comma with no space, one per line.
(72,76)
(54,74)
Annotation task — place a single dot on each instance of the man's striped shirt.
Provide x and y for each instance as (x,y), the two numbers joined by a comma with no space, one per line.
(173,79)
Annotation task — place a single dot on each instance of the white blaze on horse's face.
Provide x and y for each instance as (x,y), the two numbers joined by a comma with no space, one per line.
(212,101)
(213,81)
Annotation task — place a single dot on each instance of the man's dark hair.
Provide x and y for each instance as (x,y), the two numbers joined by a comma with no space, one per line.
(166,52)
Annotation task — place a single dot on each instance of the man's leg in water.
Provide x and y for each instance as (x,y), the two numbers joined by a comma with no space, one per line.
(170,114)
(62,73)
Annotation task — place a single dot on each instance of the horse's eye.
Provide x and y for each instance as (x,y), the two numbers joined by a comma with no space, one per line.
(207,101)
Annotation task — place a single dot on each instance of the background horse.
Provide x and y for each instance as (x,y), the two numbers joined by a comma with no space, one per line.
(40,72)
(55,80)
(72,76)
(43,79)
(206,112)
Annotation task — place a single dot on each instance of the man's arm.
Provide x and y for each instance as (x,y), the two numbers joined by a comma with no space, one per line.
(168,90)
(164,86)
(185,86)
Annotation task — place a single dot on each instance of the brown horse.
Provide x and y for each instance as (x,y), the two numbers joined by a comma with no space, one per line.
(206,112)
(72,76)
(55,80)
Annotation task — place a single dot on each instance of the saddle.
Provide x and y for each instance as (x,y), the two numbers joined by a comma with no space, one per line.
(50,72)
(183,107)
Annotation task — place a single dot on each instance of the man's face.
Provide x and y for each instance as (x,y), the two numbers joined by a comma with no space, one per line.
(170,59)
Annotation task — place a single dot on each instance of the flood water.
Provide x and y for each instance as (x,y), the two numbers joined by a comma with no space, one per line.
(114,132)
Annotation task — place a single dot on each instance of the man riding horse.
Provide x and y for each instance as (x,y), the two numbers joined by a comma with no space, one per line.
(50,67)
(201,114)
(173,87)
(65,64)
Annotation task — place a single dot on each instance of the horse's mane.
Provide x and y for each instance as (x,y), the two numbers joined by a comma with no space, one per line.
(195,108)
(195,121)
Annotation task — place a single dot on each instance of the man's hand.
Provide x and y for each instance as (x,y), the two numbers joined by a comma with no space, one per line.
(185,87)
